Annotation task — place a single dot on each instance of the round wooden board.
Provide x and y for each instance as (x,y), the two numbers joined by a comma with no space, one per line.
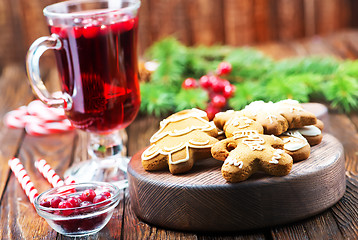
(201,200)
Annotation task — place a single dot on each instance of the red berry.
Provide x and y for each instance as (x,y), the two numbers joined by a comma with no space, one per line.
(218,101)
(229,91)
(45,202)
(100,198)
(55,30)
(76,32)
(65,205)
(189,83)
(217,85)
(205,82)
(107,194)
(123,26)
(60,31)
(88,195)
(127,25)
(55,201)
(90,31)
(74,201)
(85,204)
(103,29)
(211,111)
(224,68)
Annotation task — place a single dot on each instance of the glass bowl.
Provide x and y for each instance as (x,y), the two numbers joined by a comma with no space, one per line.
(87,218)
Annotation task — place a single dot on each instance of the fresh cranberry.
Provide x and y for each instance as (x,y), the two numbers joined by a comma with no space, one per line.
(224,68)
(85,204)
(76,32)
(88,195)
(211,111)
(229,91)
(64,205)
(127,25)
(55,30)
(107,194)
(45,202)
(205,82)
(100,198)
(90,31)
(123,26)
(189,83)
(55,201)
(104,29)
(69,225)
(217,84)
(218,101)
(62,32)
(74,201)
(225,82)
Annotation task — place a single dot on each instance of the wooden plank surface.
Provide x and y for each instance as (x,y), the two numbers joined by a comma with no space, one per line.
(20,221)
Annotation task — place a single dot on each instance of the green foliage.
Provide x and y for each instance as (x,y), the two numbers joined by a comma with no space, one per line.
(157,99)
(171,56)
(342,92)
(290,87)
(248,64)
(256,77)
(191,98)
(245,93)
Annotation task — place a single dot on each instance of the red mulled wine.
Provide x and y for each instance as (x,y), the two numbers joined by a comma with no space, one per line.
(98,69)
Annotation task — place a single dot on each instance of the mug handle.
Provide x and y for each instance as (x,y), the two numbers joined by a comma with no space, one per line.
(36,50)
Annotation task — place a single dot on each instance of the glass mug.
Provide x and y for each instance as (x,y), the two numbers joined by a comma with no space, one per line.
(95,43)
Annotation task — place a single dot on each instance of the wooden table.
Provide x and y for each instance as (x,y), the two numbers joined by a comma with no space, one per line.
(20,221)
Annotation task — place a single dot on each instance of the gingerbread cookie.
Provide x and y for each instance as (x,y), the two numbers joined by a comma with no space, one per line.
(247,152)
(234,121)
(295,145)
(313,133)
(182,138)
(277,118)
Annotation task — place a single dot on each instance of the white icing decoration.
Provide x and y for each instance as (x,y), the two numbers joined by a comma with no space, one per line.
(276,156)
(252,139)
(271,108)
(295,141)
(236,122)
(199,143)
(172,148)
(244,133)
(271,117)
(221,113)
(149,153)
(310,131)
(293,144)
(235,162)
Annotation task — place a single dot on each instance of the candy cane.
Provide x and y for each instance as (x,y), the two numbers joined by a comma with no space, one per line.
(24,179)
(41,110)
(38,119)
(69,180)
(50,174)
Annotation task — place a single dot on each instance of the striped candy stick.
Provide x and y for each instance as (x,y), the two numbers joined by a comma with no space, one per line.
(45,169)
(24,179)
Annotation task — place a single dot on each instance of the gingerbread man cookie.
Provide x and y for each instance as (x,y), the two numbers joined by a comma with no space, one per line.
(248,152)
(277,118)
(182,138)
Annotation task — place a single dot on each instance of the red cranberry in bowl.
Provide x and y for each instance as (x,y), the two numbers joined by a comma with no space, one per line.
(74,217)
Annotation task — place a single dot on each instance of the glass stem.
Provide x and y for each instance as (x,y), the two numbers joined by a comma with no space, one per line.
(104,146)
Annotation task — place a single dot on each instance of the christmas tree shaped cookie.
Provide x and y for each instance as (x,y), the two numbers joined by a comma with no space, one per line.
(182,138)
